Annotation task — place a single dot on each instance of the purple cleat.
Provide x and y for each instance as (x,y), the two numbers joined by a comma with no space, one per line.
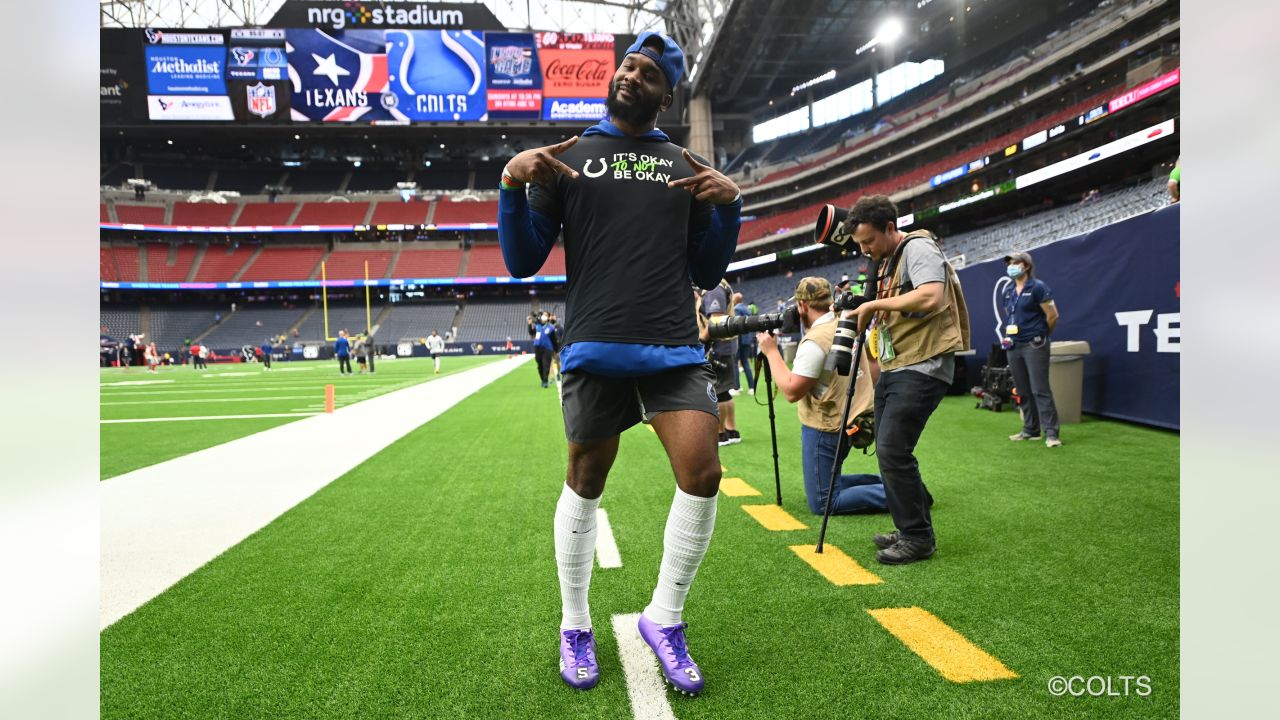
(668,644)
(578,666)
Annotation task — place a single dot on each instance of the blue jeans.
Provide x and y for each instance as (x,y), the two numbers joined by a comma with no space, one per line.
(853,493)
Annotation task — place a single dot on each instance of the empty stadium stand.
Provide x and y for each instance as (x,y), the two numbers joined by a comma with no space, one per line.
(169,263)
(143,214)
(171,326)
(341,317)
(189,213)
(332,213)
(266,213)
(414,263)
(494,321)
(250,325)
(485,260)
(415,322)
(289,262)
(222,262)
(388,212)
(451,212)
(347,263)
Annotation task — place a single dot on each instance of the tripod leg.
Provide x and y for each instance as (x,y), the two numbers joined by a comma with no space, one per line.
(835,461)
(773,430)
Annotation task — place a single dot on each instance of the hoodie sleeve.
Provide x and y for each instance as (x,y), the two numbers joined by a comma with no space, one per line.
(713,237)
(526,235)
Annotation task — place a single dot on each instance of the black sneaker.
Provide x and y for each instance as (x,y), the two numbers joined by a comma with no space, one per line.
(906,551)
(723,440)
(885,540)
(734,437)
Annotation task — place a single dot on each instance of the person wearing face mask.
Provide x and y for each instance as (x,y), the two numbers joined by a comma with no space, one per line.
(1031,316)
(544,345)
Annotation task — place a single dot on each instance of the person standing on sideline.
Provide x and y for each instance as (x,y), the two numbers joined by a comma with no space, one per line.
(543,345)
(716,306)
(342,349)
(746,348)
(921,322)
(633,239)
(266,354)
(1031,315)
(435,346)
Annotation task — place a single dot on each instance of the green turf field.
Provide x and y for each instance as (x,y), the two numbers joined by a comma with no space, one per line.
(423,585)
(232,389)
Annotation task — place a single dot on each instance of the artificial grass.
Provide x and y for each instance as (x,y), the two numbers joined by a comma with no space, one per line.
(423,584)
(237,389)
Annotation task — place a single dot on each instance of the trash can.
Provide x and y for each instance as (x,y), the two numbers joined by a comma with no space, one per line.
(1066,377)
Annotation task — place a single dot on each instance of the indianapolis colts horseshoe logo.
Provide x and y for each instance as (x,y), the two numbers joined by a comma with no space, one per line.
(586,169)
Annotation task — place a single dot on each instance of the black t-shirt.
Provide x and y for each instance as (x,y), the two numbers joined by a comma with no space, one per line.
(626,240)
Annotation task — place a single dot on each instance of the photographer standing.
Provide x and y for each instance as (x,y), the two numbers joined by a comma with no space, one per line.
(641,217)
(1032,315)
(920,322)
(716,305)
(544,346)
(814,383)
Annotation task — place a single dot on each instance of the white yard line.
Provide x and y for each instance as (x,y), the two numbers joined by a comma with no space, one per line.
(205,417)
(644,680)
(606,548)
(208,400)
(161,523)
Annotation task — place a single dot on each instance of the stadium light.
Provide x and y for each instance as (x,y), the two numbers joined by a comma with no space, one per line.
(891,30)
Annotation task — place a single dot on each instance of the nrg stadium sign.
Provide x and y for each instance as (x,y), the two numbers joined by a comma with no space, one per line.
(352,14)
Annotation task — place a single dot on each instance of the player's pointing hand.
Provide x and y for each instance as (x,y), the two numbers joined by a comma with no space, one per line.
(541,165)
(706,184)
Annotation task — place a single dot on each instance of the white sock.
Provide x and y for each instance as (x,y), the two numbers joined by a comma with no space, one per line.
(575,533)
(685,542)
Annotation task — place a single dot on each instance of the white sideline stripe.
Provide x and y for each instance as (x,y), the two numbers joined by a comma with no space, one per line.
(163,522)
(206,417)
(644,679)
(208,400)
(606,548)
(136,382)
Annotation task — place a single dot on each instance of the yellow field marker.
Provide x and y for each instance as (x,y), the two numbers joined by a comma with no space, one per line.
(835,566)
(949,652)
(736,487)
(773,517)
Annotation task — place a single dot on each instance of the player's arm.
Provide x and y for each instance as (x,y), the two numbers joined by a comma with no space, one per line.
(713,221)
(525,235)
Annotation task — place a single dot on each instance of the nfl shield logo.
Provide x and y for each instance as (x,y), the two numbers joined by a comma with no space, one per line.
(262,99)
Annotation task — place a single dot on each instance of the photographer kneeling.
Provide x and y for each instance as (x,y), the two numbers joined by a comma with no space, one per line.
(819,391)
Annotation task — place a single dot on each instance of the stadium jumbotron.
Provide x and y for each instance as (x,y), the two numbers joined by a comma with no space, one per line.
(388,290)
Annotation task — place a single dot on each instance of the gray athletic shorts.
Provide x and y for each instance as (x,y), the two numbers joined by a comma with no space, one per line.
(597,407)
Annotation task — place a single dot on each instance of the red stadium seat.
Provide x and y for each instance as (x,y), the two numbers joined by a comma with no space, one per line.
(449,212)
(349,264)
(396,212)
(141,214)
(158,267)
(427,263)
(260,213)
(222,262)
(335,213)
(185,213)
(285,263)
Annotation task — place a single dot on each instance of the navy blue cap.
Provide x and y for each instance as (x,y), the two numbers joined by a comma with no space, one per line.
(671,59)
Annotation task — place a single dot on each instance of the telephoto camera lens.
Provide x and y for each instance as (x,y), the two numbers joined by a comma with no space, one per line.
(842,344)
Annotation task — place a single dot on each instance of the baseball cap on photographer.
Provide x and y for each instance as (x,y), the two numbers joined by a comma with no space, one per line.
(1021,257)
(812,289)
(670,58)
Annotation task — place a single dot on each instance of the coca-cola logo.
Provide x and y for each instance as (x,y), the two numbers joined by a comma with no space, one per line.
(583,71)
